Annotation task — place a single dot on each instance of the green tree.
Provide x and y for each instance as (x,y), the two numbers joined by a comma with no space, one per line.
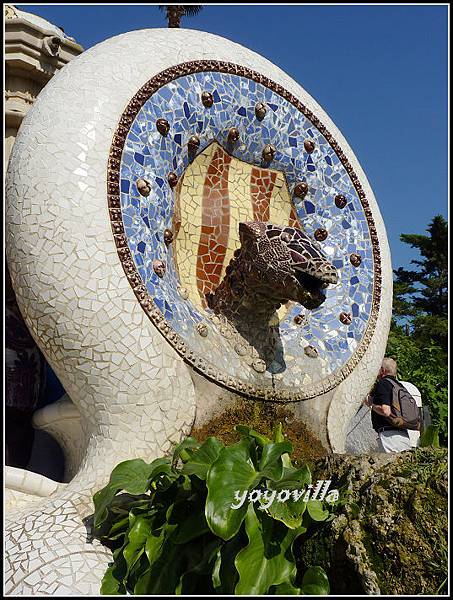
(174,12)
(419,330)
(421,296)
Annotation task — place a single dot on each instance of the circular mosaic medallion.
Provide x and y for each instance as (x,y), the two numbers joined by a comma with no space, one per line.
(176,240)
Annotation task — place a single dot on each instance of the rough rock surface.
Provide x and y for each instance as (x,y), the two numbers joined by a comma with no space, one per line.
(389,535)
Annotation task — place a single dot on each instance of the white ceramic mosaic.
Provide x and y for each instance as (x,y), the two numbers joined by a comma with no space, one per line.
(134,392)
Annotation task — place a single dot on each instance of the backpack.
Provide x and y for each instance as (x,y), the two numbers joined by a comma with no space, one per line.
(405,413)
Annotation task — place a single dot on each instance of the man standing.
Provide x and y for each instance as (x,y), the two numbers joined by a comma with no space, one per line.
(391,439)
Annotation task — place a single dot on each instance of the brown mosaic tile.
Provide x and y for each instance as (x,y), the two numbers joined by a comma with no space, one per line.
(214,234)
(293,221)
(261,188)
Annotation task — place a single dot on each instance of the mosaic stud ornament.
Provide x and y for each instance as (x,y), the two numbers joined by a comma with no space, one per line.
(300,319)
(346,318)
(159,267)
(309,146)
(143,187)
(301,189)
(320,234)
(207,99)
(202,329)
(311,351)
(259,365)
(268,153)
(163,126)
(240,349)
(193,144)
(260,111)
(233,135)
(355,259)
(172,179)
(168,236)
(340,201)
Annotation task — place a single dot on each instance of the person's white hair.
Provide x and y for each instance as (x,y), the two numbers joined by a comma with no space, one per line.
(389,366)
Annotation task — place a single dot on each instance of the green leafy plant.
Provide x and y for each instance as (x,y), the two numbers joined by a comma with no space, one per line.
(173,530)
(430,437)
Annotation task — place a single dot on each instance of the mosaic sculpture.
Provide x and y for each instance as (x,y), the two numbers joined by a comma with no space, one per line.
(154,146)
(272,266)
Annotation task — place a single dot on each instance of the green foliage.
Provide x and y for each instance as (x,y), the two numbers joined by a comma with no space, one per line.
(421,296)
(430,437)
(173,530)
(425,367)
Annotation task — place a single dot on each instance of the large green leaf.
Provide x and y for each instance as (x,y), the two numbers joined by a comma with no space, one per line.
(184,449)
(197,578)
(132,476)
(192,527)
(137,538)
(315,582)
(163,576)
(267,560)
(290,511)
(316,511)
(271,465)
(285,589)
(110,585)
(232,471)
(200,461)
(293,476)
(245,431)
(155,542)
(113,580)
(166,563)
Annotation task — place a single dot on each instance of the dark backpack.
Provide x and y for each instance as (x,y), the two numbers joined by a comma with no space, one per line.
(405,412)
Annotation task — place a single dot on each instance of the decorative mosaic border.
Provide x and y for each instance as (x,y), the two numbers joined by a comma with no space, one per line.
(142,294)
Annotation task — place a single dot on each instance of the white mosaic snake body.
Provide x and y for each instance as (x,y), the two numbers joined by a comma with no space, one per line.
(135,394)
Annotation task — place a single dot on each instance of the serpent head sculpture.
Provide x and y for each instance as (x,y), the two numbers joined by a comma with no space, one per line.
(273,265)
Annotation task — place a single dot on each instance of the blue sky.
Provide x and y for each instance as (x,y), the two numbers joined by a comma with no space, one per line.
(380,72)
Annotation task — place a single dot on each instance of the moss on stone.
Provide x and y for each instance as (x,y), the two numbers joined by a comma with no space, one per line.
(396,542)
(264,416)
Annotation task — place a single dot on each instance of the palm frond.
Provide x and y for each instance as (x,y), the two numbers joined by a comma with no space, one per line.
(189,11)
(192,10)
